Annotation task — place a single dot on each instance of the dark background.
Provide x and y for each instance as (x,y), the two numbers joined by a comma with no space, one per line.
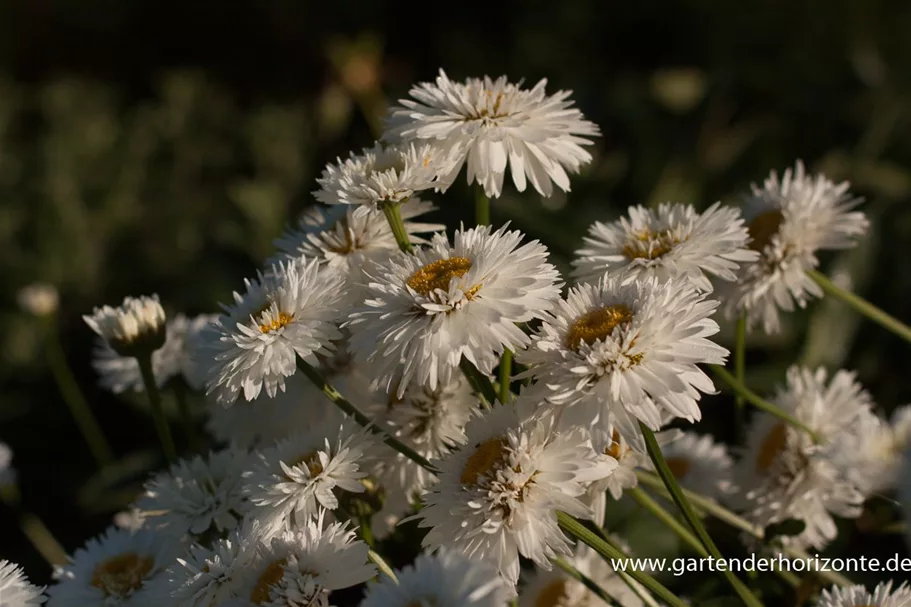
(160,146)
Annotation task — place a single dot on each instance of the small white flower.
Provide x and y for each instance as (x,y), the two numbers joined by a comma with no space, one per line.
(137,326)
(38,299)
(610,443)
(347,239)
(784,475)
(197,495)
(288,312)
(869,455)
(620,352)
(15,589)
(382,175)
(7,472)
(490,123)
(443,579)
(209,577)
(672,241)
(121,373)
(858,596)
(497,496)
(429,421)
(790,220)
(301,567)
(699,464)
(428,310)
(556,587)
(302,474)
(115,569)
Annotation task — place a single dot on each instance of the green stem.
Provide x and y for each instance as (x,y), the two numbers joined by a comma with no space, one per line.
(587,581)
(179,387)
(161,422)
(394,217)
(862,305)
(755,400)
(367,532)
(505,375)
(610,552)
(479,382)
(670,481)
(33,528)
(643,499)
(349,409)
(740,343)
(382,565)
(72,396)
(481,208)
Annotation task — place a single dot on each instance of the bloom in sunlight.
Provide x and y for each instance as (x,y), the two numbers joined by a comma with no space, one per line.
(555,587)
(116,568)
(347,238)
(382,175)
(208,576)
(302,566)
(15,589)
(784,475)
(136,327)
(699,464)
(858,596)
(426,311)
(38,299)
(121,373)
(617,353)
(304,473)
(443,579)
(790,220)
(491,123)
(497,496)
(670,241)
(286,313)
(197,495)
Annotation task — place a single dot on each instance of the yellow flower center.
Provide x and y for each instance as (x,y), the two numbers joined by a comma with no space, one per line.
(121,575)
(274,324)
(311,460)
(647,244)
(772,446)
(615,450)
(763,228)
(552,594)
(270,577)
(597,324)
(680,466)
(438,274)
(482,461)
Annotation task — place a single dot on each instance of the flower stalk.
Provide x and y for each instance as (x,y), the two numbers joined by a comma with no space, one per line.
(161,422)
(397,225)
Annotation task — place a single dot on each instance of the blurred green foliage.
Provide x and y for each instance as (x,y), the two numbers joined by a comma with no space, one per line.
(161,146)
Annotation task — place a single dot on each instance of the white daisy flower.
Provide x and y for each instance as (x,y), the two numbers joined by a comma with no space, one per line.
(428,310)
(869,455)
(15,589)
(429,421)
(135,327)
(197,496)
(789,221)
(346,239)
(443,579)
(858,596)
(700,464)
(301,567)
(619,352)
(121,373)
(498,495)
(7,472)
(116,568)
(130,519)
(207,577)
(289,312)
(491,123)
(611,444)
(672,241)
(382,175)
(784,475)
(904,489)
(556,587)
(38,299)
(302,474)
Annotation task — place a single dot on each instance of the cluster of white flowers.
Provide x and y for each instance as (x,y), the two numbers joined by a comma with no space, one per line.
(367,307)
